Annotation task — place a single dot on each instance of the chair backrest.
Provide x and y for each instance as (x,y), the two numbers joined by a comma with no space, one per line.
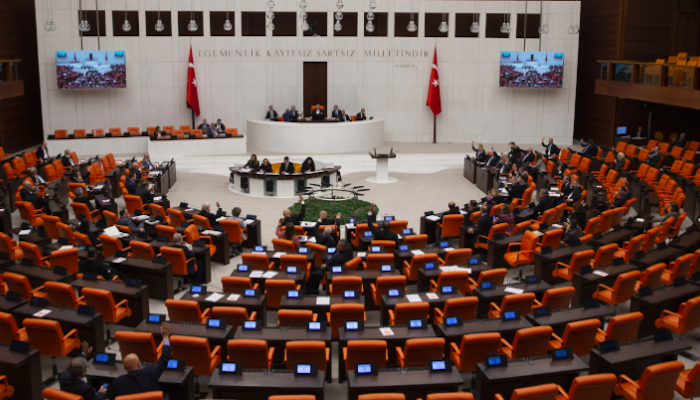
(451,224)
(341,283)
(459,279)
(236,284)
(345,312)
(233,316)
(417,241)
(140,343)
(389,245)
(624,286)
(275,289)
(420,352)
(531,342)
(296,260)
(476,347)
(103,302)
(604,255)
(294,317)
(235,233)
(283,245)
(652,276)
(256,261)
(521,302)
(679,268)
(403,312)
(45,335)
(558,298)
(496,275)
(690,314)
(397,226)
(384,283)
(550,238)
(580,335)
(8,328)
(624,327)
(55,394)
(596,386)
(18,283)
(142,250)
(458,256)
(366,351)
(658,381)
(605,221)
(61,294)
(133,203)
(592,226)
(466,307)
(376,260)
(650,239)
(183,310)
(311,351)
(176,217)
(67,258)
(196,353)
(252,353)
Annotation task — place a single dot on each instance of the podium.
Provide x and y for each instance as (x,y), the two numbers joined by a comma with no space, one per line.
(382,168)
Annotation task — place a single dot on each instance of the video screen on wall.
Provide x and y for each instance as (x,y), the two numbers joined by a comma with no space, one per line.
(527,69)
(90,69)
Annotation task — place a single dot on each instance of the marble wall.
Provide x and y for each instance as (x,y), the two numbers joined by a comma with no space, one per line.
(236,86)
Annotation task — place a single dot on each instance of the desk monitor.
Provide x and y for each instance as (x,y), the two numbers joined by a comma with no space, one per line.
(394,293)
(294,294)
(216,323)
(251,216)
(695,276)
(428,213)
(90,276)
(513,315)
(291,269)
(84,309)
(586,269)
(542,311)
(338,269)
(454,321)
(133,282)
(621,131)
(680,281)
(250,293)
(386,268)
(303,250)
(176,365)
(316,326)
(407,231)
(645,291)
(306,370)
(496,361)
(418,324)
(448,289)
(545,249)
(368,233)
(389,218)
(444,244)
(440,366)
(429,265)
(13,297)
(260,248)
(38,301)
(27,262)
(243,268)
(156,318)
(618,261)
(376,249)
(473,261)
(231,368)
(533,279)
(252,325)
(198,289)
(609,345)
(565,353)
(60,270)
(330,250)
(488,285)
(591,303)
(19,347)
(405,247)
(351,294)
(663,335)
(354,326)
(105,358)
(352,220)
(367,369)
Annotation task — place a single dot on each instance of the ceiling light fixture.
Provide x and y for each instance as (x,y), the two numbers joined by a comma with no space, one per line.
(126,26)
(370,16)
(160,26)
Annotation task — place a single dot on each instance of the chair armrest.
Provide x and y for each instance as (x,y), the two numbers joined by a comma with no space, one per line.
(556,267)
(215,352)
(624,377)
(472,281)
(252,316)
(206,312)
(271,266)
(206,237)
(537,303)
(441,261)
(506,344)
(124,302)
(486,239)
(81,298)
(328,317)
(40,288)
(667,312)
(72,332)
(391,315)
(454,348)
(328,353)
(603,286)
(511,245)
(373,287)
(494,307)
(314,317)
(433,284)
(563,393)
(555,336)
(255,286)
(438,312)
(270,353)
(399,353)
(498,397)
(603,332)
(365,316)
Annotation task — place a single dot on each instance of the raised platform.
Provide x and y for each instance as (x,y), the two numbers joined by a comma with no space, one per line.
(284,186)
(315,138)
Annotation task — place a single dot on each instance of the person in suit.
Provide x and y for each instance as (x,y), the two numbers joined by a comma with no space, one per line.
(575,194)
(573,232)
(681,141)
(157,133)
(130,183)
(654,156)
(294,218)
(265,166)
(481,155)
(471,208)
(540,165)
(528,157)
(67,160)
(26,190)
(551,149)
(132,168)
(493,160)
(544,202)
(344,117)
(193,272)
(146,163)
(516,190)
(204,126)
(72,379)
(286,168)
(483,226)
(579,214)
(589,148)
(515,152)
(336,112)
(42,153)
(328,238)
(621,197)
(140,379)
(318,113)
(219,126)
(91,265)
(271,114)
(252,163)
(287,117)
(81,198)
(206,213)
(143,192)
(294,114)
(75,177)
(505,166)
(451,209)
(566,187)
(620,160)
(308,165)
(236,216)
(125,220)
(381,234)
(37,201)
(324,220)
(342,255)
(361,115)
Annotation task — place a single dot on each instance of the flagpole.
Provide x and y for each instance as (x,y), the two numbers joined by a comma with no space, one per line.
(192,109)
(435,116)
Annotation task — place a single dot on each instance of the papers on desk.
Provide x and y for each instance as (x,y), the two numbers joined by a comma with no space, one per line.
(386,331)
(433,218)
(399,236)
(245,170)
(553,189)
(600,273)
(448,249)
(158,198)
(451,268)
(278,254)
(557,226)
(233,297)
(350,226)
(323,300)
(638,220)
(25,232)
(153,222)
(119,260)
(214,297)
(249,221)
(555,194)
(98,187)
(42,313)
(362,254)
(462,212)
(432,296)
(210,233)
(271,173)
(308,239)
(220,218)
(269,274)
(307,224)
(112,231)
(256,274)
(413,298)
(141,217)
(417,252)
(513,290)
(189,209)
(66,247)
(257,252)
(502,178)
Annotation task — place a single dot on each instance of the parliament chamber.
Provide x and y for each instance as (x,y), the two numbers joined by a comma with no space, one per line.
(361,200)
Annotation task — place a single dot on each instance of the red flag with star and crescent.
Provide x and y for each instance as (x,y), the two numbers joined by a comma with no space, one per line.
(434,88)
(192,97)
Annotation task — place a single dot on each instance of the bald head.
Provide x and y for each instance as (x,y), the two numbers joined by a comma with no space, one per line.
(286,212)
(27,185)
(327,231)
(132,362)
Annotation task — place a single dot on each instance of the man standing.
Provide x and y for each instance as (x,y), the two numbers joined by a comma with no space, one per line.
(42,153)
(67,160)
(294,218)
(515,152)
(335,113)
(72,380)
(144,379)
(361,116)
(294,114)
(551,150)
(272,114)
(318,114)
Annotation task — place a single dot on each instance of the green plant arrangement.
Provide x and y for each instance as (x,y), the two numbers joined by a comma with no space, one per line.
(347,208)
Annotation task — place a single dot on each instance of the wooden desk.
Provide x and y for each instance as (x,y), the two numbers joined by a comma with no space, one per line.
(8,306)
(309,303)
(32,237)
(278,337)
(485,179)
(137,298)
(216,337)
(657,256)
(202,256)
(178,385)
(390,302)
(520,373)
(299,278)
(90,329)
(496,295)
(158,277)
(427,227)
(23,371)
(470,169)
(560,318)
(257,304)
(6,222)
(453,334)
(545,264)
(222,254)
(398,339)
(587,284)
(414,383)
(113,177)
(663,298)
(39,275)
(639,227)
(368,277)
(633,357)
(618,237)
(401,256)
(424,276)
(544,181)
(259,385)
(688,242)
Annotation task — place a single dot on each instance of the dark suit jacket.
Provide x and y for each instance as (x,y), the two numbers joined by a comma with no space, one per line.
(551,150)
(516,190)
(66,160)
(484,225)
(265,168)
(335,113)
(315,115)
(544,204)
(493,161)
(515,153)
(128,222)
(679,142)
(36,200)
(143,380)
(527,158)
(212,217)
(360,117)
(481,155)
(36,181)
(296,218)
(576,194)
(331,241)
(382,234)
(95,267)
(84,200)
(271,114)
(130,186)
(294,114)
(78,386)
(654,158)
(144,194)
(572,235)
(621,200)
(289,168)
(254,166)
(345,118)
(42,154)
(340,258)
(566,189)
(591,150)
(23,193)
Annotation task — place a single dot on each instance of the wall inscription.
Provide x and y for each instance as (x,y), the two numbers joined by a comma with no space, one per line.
(329,54)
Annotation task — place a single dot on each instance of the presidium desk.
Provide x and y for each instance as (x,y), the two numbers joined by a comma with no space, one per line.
(318,137)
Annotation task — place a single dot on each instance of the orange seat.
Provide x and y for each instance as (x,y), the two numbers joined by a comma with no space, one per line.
(176,217)
(103,301)
(134,203)
(384,283)
(343,283)
(496,275)
(235,232)
(111,245)
(651,277)
(295,317)
(458,306)
(295,260)
(556,298)
(622,327)
(677,269)
(418,353)
(604,256)
(541,392)
(142,250)
(450,225)
(528,342)
(525,253)
(345,312)
(579,335)
(416,241)
(62,294)
(597,386)
(257,261)
(66,232)
(252,353)
(686,319)
(283,245)
(179,261)
(9,330)
(55,394)
(418,262)
(20,284)
(196,353)
(403,312)
(578,260)
(9,247)
(459,279)
(67,258)
(482,242)
(474,349)
(389,245)
(140,343)
(550,239)
(186,311)
(47,336)
(521,302)
(621,291)
(5,389)
(235,284)
(28,213)
(233,316)
(3,286)
(631,247)
(365,351)
(382,396)
(192,235)
(687,382)
(307,351)
(276,288)
(166,231)
(450,396)
(658,382)
(456,256)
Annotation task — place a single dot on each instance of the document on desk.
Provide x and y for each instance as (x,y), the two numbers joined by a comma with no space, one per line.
(448,268)
(258,252)
(433,218)
(323,300)
(448,249)
(158,198)
(98,187)
(210,233)
(279,254)
(600,273)
(42,313)
(350,226)
(233,297)
(413,298)
(417,252)
(386,331)
(557,226)
(249,221)
(66,247)
(432,296)
(256,274)
(307,224)
(25,232)
(269,274)
(638,220)
(119,260)
(513,290)
(362,254)
(214,297)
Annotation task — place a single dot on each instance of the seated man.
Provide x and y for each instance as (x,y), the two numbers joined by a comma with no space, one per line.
(342,255)
(143,192)
(451,209)
(26,190)
(236,216)
(286,167)
(516,190)
(590,149)
(287,116)
(39,203)
(130,183)
(361,116)
(336,112)
(381,234)
(146,163)
(576,192)
(125,220)
(482,227)
(529,156)
(471,208)
(196,273)
(67,160)
(206,212)
(344,117)
(219,126)
(91,265)
(36,178)
(293,114)
(545,203)
(72,380)
(204,126)
(318,113)
(494,160)
(328,238)
(621,197)
(139,379)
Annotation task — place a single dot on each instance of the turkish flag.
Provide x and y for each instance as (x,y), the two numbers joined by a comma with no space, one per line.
(434,88)
(192,97)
